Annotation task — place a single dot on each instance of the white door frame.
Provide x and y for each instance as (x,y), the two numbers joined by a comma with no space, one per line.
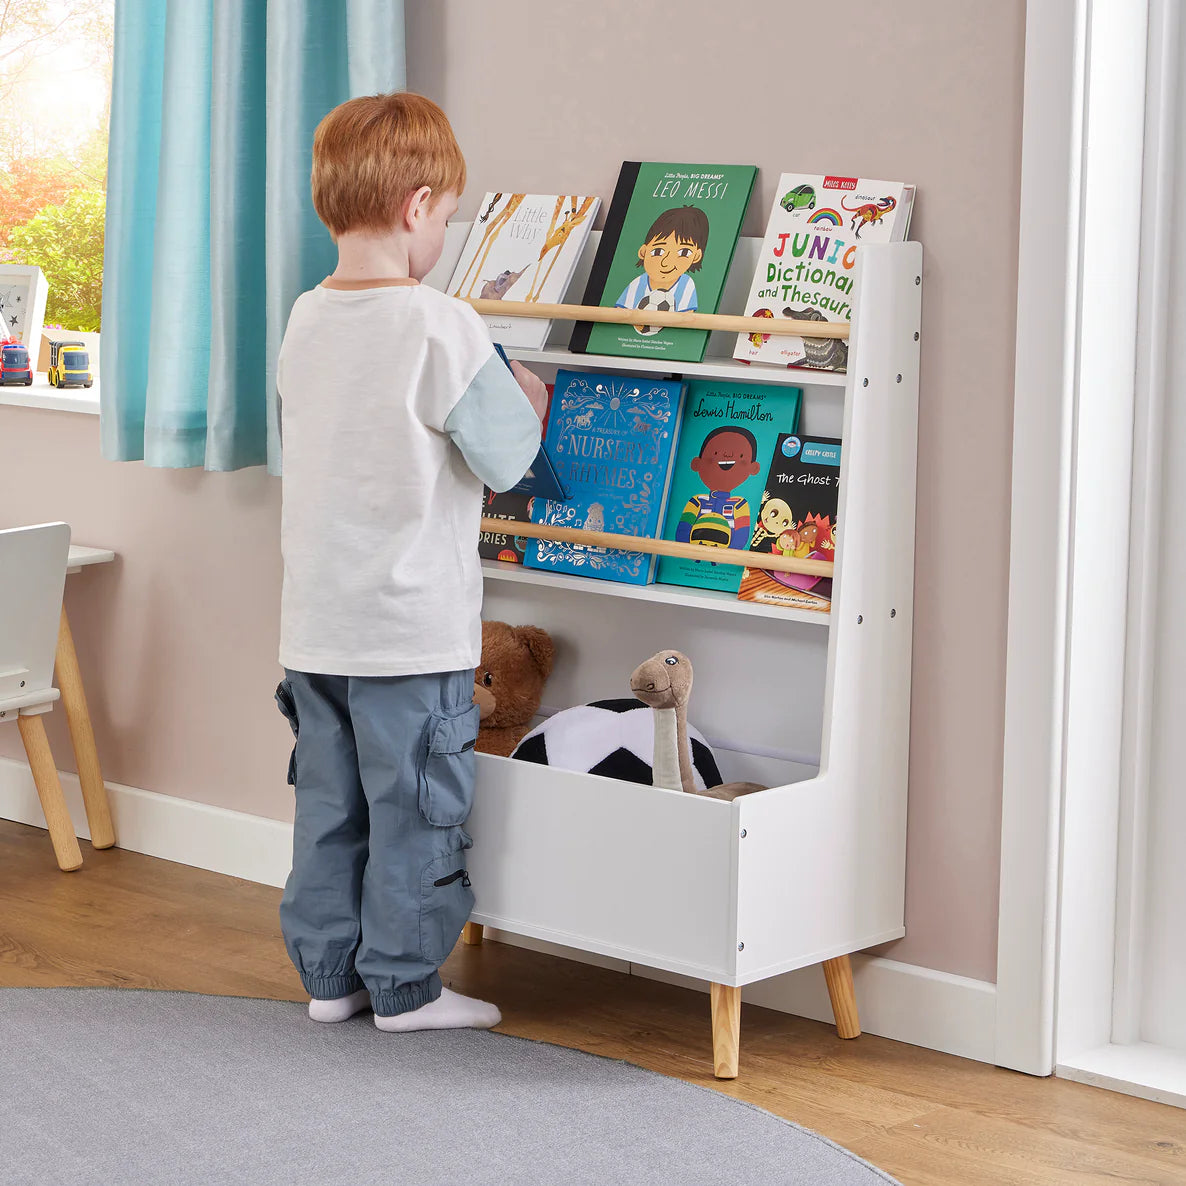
(1073,420)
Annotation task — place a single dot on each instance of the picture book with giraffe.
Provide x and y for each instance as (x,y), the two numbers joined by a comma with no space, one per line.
(667,245)
(797,517)
(726,443)
(523,247)
(611,439)
(808,259)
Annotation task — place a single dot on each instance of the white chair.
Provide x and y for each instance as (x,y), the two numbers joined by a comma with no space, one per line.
(32,576)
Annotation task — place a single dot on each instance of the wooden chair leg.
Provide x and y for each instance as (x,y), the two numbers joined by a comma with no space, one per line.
(49,791)
(82,736)
(726,1030)
(472,934)
(838,974)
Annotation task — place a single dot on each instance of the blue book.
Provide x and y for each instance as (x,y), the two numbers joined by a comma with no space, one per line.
(611,438)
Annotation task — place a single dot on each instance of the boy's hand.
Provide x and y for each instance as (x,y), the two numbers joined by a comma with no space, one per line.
(533,387)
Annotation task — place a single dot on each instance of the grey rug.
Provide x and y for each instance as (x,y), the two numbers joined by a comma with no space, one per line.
(122,1086)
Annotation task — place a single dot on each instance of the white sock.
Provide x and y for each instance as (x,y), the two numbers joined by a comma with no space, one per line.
(340,1008)
(450,1011)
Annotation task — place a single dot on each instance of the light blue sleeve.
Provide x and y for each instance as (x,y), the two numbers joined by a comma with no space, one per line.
(495,426)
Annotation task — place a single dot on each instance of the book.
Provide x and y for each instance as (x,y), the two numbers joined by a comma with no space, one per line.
(797,518)
(612,438)
(540,479)
(726,444)
(667,244)
(805,265)
(523,247)
(500,545)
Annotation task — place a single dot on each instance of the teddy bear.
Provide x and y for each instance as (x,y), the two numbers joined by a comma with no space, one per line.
(516,661)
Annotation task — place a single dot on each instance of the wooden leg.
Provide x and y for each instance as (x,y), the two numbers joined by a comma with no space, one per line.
(49,791)
(726,1030)
(94,793)
(838,974)
(471,935)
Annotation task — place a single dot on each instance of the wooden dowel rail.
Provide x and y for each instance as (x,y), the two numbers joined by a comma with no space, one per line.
(660,547)
(786,326)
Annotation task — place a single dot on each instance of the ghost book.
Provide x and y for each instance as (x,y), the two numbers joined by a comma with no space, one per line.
(611,439)
(797,517)
(667,245)
(727,441)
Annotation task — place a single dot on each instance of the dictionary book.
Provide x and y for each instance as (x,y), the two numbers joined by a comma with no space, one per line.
(808,258)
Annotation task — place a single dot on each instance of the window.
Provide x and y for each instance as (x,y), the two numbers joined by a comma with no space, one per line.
(55,104)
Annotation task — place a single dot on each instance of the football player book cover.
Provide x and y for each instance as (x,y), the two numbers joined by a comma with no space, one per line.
(667,244)
(611,439)
(726,444)
(797,517)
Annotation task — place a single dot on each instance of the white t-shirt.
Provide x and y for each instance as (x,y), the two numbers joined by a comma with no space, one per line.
(394,412)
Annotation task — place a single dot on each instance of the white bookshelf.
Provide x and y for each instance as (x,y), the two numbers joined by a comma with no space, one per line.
(815,706)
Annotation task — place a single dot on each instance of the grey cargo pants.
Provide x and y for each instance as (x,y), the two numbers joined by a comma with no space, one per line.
(384,772)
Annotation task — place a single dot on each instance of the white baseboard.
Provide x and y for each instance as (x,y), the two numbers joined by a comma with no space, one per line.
(1142,1069)
(901,1001)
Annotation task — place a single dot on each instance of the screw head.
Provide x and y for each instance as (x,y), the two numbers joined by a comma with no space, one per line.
(917,279)
(740,946)
(22,683)
(916,335)
(860,618)
(899,378)
(864,382)
(743,833)
(893,613)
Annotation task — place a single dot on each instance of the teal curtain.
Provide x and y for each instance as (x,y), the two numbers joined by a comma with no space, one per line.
(211,232)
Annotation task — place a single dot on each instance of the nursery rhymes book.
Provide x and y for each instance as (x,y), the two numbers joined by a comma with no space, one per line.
(727,440)
(668,242)
(611,439)
(797,518)
(523,247)
(805,266)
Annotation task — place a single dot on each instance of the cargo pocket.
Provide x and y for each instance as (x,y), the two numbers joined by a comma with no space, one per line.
(446,901)
(287,704)
(447,766)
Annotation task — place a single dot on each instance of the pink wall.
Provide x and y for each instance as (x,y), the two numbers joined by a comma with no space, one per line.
(178,640)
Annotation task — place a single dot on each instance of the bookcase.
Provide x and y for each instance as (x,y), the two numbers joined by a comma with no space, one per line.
(814,705)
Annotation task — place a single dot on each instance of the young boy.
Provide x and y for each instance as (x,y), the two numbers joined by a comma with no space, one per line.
(395,410)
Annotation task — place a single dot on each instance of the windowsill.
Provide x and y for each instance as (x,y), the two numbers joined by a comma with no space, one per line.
(42,395)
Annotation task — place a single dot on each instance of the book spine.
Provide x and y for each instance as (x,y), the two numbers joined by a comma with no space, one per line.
(677,424)
(599,276)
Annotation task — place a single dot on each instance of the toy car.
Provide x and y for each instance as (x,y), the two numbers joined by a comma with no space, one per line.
(14,365)
(69,365)
(801,195)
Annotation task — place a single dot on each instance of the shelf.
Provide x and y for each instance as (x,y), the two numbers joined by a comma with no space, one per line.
(714,368)
(707,599)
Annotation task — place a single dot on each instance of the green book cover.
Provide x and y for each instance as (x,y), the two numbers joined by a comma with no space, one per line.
(726,444)
(667,244)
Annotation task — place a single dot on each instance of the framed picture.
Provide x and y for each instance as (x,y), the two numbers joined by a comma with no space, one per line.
(23,289)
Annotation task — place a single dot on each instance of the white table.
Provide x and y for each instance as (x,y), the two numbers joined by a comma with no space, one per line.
(82,736)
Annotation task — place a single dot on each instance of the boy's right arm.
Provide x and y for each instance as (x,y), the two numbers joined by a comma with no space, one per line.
(496,425)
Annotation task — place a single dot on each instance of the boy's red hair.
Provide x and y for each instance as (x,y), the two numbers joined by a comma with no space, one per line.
(370,153)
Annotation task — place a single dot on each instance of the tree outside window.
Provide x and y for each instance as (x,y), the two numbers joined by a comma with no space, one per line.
(55,106)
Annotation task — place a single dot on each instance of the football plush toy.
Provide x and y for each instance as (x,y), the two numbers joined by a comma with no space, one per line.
(614,738)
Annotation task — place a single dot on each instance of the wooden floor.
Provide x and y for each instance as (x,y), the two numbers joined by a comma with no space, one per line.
(133,921)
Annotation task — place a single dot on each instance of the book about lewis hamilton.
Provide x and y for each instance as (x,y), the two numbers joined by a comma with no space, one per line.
(611,439)
(669,238)
(797,518)
(726,443)
(807,260)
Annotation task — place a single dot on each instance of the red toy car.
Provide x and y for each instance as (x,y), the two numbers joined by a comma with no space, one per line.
(14,364)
